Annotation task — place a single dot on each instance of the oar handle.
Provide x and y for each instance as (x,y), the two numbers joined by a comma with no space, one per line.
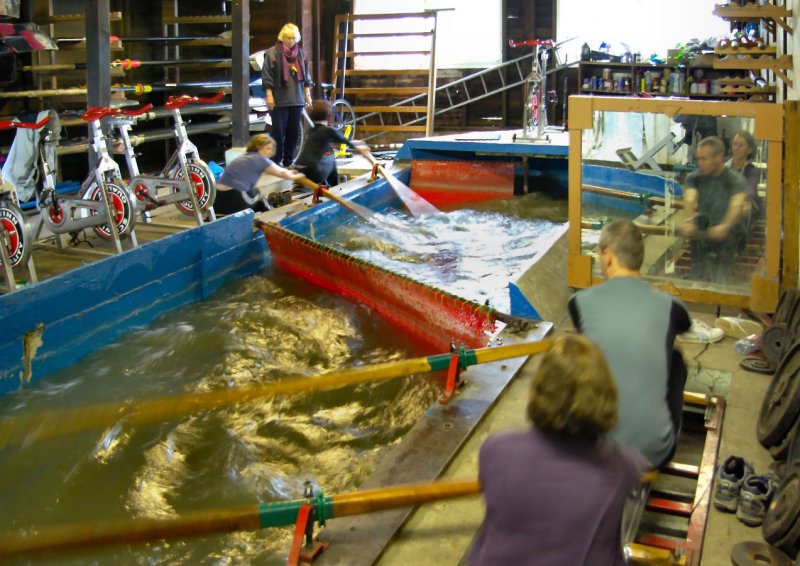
(306,182)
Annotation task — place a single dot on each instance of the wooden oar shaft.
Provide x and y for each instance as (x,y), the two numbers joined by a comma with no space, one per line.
(353,207)
(28,428)
(126,531)
(629,195)
(248,517)
(402,496)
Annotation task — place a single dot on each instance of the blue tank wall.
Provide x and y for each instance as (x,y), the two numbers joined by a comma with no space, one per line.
(87,307)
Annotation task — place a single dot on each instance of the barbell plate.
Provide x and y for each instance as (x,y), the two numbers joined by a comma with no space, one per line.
(782,401)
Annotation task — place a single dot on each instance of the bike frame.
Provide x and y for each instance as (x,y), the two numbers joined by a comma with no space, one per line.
(147,186)
(186,153)
(15,235)
(63,215)
(535,104)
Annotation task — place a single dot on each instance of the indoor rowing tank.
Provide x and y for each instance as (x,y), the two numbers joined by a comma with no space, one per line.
(258,329)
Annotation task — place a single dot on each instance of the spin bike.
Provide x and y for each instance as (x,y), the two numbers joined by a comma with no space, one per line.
(15,236)
(185,162)
(192,196)
(105,203)
(534,119)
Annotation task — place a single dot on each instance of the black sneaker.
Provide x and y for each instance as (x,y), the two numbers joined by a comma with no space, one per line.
(728,483)
(754,498)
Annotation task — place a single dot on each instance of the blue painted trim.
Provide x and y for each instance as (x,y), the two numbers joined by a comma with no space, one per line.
(520,306)
(449,147)
(625,180)
(92,305)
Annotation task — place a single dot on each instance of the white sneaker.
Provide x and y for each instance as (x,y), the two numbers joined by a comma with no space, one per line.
(737,327)
(701,333)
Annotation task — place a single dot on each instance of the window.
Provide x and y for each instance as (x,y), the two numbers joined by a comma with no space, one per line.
(645,26)
(469,36)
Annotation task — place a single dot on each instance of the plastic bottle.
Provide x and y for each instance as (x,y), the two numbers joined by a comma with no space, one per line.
(748,344)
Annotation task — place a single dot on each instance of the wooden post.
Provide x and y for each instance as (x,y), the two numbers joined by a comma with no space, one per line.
(240,72)
(98,59)
(791,199)
(432,81)
(98,56)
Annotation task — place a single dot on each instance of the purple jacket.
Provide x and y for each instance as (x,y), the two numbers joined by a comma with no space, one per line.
(553,501)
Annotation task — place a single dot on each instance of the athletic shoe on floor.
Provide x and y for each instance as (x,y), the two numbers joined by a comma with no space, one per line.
(728,483)
(754,498)
(701,333)
(738,327)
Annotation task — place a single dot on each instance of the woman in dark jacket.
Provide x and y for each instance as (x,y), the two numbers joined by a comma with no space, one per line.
(286,81)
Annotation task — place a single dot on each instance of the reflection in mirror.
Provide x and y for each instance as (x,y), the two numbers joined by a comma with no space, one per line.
(694,184)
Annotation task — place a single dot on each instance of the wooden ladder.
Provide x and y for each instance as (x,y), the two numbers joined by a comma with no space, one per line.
(380,102)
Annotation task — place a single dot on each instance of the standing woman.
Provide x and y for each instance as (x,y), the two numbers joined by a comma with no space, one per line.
(286,81)
(743,151)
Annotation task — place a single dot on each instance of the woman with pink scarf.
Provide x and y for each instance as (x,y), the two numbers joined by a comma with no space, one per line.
(286,83)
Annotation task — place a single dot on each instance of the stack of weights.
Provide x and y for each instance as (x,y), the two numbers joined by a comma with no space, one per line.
(778,428)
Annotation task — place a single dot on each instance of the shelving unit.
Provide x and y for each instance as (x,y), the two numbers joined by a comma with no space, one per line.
(755,59)
(635,71)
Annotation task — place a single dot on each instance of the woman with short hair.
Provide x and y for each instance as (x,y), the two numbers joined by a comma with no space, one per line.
(286,81)
(555,492)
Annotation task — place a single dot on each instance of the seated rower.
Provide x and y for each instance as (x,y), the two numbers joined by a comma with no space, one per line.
(236,188)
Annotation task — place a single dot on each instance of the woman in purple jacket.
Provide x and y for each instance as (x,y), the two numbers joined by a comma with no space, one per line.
(555,492)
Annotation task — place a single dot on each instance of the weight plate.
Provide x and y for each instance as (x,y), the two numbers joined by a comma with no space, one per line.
(773,341)
(752,553)
(782,511)
(786,305)
(793,457)
(782,401)
(788,543)
(780,451)
(758,365)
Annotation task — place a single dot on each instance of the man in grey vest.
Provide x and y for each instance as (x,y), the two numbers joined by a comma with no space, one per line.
(635,326)
(714,196)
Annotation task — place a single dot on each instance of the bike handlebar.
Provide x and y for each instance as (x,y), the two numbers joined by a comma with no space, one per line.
(96,112)
(184,99)
(528,42)
(5,124)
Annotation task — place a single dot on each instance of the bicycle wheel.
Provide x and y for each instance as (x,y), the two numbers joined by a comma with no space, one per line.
(123,208)
(204,183)
(343,118)
(305,127)
(19,237)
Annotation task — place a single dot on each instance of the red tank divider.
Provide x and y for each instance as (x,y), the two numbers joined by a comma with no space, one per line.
(448,183)
(435,317)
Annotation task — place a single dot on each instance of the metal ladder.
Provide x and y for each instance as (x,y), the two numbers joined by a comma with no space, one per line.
(463,91)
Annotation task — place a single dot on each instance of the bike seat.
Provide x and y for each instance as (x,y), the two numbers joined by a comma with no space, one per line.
(326,86)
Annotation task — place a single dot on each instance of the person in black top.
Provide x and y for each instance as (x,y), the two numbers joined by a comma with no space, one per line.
(316,160)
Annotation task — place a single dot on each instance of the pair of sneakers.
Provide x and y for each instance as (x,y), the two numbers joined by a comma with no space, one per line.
(737,489)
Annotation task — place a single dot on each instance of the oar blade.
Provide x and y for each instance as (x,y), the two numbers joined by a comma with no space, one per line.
(415,204)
